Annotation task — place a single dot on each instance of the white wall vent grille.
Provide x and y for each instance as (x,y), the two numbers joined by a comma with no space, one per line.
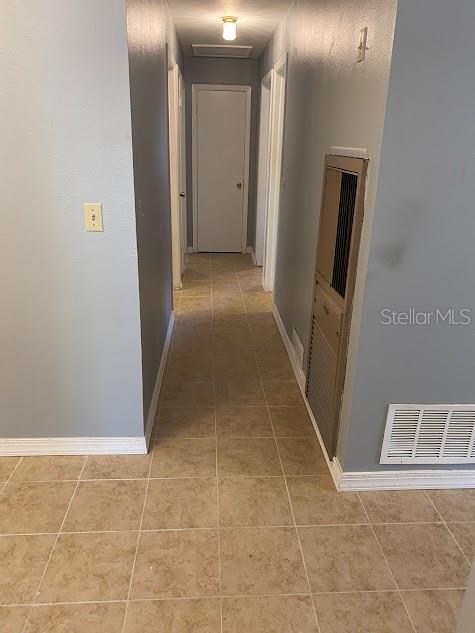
(429,434)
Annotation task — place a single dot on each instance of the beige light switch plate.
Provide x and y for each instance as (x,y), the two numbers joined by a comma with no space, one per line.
(362,48)
(93,216)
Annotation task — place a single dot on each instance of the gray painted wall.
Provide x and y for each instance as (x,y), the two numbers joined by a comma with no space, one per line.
(69,331)
(330,101)
(149,31)
(223,71)
(422,252)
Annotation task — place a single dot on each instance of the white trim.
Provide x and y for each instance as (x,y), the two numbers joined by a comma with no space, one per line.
(351,152)
(404,479)
(301,380)
(263,159)
(191,249)
(275,182)
(20,446)
(252,253)
(194,128)
(158,382)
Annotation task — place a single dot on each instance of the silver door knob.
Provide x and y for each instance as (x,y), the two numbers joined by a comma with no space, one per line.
(182,194)
(239,185)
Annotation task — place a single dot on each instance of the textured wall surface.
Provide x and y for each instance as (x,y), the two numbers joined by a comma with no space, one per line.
(69,322)
(149,31)
(422,253)
(242,72)
(331,101)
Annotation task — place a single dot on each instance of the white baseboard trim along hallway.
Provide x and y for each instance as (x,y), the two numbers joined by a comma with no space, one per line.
(378,479)
(152,411)
(93,445)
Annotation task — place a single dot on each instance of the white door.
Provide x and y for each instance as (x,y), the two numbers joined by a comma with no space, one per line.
(221,156)
(182,185)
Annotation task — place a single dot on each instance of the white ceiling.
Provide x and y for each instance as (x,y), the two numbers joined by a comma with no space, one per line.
(199,21)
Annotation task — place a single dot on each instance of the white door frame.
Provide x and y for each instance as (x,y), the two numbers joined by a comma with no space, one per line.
(278,83)
(263,167)
(182,167)
(195,89)
(174,160)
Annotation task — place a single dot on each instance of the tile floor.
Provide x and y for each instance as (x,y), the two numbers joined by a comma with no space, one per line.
(231,523)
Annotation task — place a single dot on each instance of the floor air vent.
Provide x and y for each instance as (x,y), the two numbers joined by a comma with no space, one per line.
(429,434)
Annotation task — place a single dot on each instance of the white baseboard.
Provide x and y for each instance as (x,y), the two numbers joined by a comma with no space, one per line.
(301,380)
(252,253)
(20,446)
(404,479)
(158,382)
(93,445)
(191,249)
(379,479)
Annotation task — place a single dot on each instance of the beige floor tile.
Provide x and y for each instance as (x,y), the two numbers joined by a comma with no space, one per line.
(243,422)
(464,534)
(291,422)
(362,613)
(188,394)
(238,391)
(423,556)
(261,561)
(89,567)
(344,558)
(23,560)
(181,503)
(302,456)
(202,615)
(117,466)
(176,564)
(434,611)
(253,501)
(184,458)
(200,370)
(186,423)
(281,371)
(248,456)
(106,505)
(49,468)
(77,618)
(12,619)
(454,505)
(229,366)
(283,393)
(26,508)
(269,614)
(395,506)
(7,466)
(315,501)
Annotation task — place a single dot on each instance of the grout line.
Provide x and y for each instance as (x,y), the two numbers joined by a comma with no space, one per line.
(387,565)
(444,522)
(37,592)
(137,545)
(216,446)
(230,595)
(11,475)
(283,472)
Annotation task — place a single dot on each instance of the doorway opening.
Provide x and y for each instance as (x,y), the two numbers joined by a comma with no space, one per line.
(269,187)
(221,122)
(177,157)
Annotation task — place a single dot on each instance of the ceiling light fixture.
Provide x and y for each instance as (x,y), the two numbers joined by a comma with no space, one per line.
(229,27)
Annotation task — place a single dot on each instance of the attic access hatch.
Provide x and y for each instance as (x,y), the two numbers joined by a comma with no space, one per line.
(221,50)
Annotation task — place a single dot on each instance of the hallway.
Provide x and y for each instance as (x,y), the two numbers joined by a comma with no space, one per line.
(131,543)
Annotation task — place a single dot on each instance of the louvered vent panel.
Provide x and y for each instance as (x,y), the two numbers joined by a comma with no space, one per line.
(321,377)
(429,434)
(346,213)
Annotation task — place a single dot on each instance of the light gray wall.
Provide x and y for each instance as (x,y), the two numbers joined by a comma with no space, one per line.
(330,101)
(69,327)
(422,252)
(232,72)
(149,32)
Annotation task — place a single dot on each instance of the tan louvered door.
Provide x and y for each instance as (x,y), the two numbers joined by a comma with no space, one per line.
(335,272)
